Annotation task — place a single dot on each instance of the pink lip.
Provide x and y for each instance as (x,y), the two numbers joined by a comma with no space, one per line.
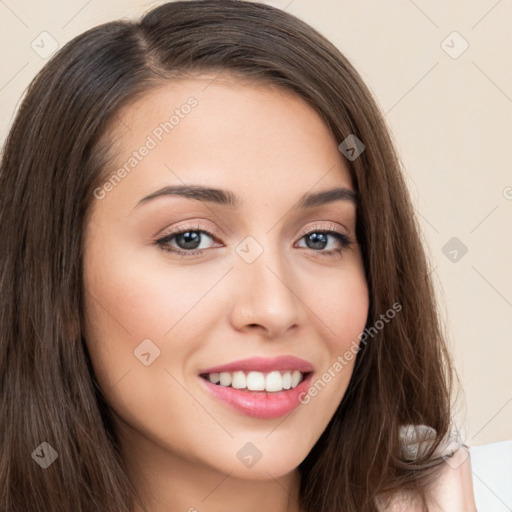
(260,404)
(263,364)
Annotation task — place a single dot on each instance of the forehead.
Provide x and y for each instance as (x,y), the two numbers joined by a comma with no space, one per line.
(220,131)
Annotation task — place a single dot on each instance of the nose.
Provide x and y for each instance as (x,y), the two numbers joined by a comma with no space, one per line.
(266,296)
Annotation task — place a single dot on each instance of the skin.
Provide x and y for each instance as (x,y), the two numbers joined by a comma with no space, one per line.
(268,147)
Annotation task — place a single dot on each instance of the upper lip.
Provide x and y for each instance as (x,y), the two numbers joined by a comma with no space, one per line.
(263,364)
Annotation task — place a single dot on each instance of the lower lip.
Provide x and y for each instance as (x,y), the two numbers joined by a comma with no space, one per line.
(260,404)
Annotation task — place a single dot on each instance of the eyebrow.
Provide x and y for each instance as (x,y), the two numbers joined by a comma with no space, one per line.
(228,198)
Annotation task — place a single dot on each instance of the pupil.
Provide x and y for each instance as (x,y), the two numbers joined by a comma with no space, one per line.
(319,240)
(191,240)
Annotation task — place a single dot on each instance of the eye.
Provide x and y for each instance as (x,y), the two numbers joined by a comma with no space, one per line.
(191,240)
(318,238)
(188,239)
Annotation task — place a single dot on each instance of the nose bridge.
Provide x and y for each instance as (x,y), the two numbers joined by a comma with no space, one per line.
(266,294)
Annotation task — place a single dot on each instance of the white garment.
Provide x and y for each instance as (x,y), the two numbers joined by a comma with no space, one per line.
(492,476)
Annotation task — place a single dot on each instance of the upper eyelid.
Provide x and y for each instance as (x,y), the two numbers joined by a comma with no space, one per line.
(183,229)
(331,226)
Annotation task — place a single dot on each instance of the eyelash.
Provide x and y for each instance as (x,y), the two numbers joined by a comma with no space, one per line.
(344,240)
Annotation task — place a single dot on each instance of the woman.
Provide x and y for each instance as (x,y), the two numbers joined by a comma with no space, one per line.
(214,293)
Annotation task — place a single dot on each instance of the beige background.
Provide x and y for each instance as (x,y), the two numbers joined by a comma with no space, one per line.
(452,121)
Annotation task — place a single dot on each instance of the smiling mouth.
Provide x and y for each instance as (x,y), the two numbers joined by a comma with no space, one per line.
(273,381)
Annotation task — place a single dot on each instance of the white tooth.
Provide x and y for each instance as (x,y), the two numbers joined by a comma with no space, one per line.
(239,380)
(296,376)
(255,381)
(287,380)
(225,378)
(273,382)
(213,378)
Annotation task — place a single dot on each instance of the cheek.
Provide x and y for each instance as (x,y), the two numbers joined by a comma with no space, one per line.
(135,296)
(134,308)
(341,304)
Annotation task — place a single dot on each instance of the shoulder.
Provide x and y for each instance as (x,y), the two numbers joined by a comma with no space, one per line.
(452,490)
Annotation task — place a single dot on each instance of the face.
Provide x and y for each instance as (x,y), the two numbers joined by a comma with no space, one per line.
(238,288)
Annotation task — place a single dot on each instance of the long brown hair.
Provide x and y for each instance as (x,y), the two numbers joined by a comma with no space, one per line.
(56,154)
